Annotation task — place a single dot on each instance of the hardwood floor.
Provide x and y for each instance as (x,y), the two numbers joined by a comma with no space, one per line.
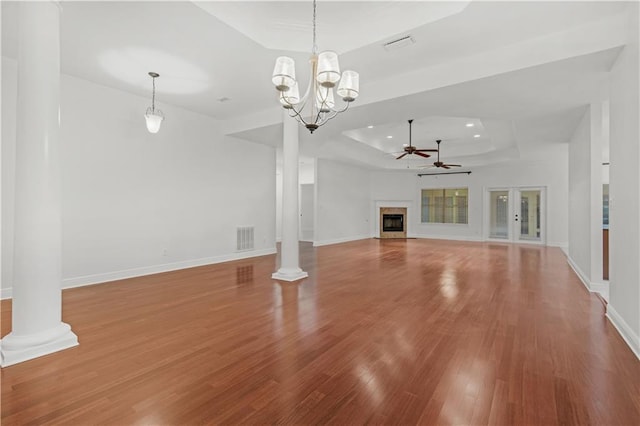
(383,331)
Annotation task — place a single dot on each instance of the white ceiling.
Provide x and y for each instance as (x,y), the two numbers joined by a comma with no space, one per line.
(211,50)
(341,26)
(521,114)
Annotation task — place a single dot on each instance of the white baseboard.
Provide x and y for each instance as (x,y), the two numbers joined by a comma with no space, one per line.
(6,293)
(340,240)
(155,269)
(446,237)
(600,287)
(627,334)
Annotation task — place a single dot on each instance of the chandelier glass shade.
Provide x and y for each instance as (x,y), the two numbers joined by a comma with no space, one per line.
(317,105)
(153,116)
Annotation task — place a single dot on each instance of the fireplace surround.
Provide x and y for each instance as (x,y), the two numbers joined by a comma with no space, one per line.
(393,222)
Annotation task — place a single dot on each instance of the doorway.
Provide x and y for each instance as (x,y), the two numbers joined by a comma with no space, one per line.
(515,215)
(306,212)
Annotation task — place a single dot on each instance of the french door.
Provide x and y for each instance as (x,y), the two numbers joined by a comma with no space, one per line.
(515,215)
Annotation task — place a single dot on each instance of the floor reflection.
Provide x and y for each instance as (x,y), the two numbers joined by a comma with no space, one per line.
(286,323)
(449,282)
(244,275)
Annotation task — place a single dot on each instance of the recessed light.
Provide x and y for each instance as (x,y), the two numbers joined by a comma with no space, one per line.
(369,127)
(389,137)
(476,136)
(469,124)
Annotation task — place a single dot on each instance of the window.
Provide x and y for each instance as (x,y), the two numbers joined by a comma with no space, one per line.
(445,205)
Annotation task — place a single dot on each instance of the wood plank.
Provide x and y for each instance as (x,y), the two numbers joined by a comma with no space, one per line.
(383,332)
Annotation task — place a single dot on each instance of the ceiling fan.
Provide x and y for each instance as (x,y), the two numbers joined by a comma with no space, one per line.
(410,149)
(439,163)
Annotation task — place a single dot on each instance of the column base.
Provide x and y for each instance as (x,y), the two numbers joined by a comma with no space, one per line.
(286,274)
(15,349)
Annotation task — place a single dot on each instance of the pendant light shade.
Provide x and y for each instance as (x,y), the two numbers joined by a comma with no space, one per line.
(154,121)
(291,97)
(325,100)
(328,68)
(349,87)
(284,73)
(153,116)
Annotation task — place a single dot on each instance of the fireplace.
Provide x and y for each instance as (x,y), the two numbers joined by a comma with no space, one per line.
(393,222)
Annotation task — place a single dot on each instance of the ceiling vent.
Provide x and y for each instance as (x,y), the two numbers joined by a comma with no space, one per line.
(399,43)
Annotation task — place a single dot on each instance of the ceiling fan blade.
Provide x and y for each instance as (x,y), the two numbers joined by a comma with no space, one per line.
(397,158)
(427,166)
(421,154)
(426,150)
(453,165)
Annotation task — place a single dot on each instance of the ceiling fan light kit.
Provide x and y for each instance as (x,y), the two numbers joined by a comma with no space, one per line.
(317,106)
(153,116)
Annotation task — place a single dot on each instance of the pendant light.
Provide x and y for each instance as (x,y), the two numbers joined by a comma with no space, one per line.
(153,116)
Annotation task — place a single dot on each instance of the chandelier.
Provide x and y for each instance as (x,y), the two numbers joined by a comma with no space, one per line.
(317,106)
(153,116)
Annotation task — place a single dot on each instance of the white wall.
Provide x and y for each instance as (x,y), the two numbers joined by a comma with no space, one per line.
(585,197)
(624,190)
(551,174)
(393,189)
(579,197)
(135,203)
(306,171)
(343,202)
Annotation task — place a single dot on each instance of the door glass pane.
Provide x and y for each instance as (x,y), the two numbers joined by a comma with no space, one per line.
(499,216)
(530,215)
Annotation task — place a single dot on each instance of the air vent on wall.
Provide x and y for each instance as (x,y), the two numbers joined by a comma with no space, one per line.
(244,235)
(399,43)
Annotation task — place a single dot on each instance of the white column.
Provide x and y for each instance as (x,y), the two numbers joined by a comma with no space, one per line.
(37,328)
(289,250)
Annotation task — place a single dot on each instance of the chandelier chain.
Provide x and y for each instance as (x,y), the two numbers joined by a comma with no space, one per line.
(153,96)
(315,46)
